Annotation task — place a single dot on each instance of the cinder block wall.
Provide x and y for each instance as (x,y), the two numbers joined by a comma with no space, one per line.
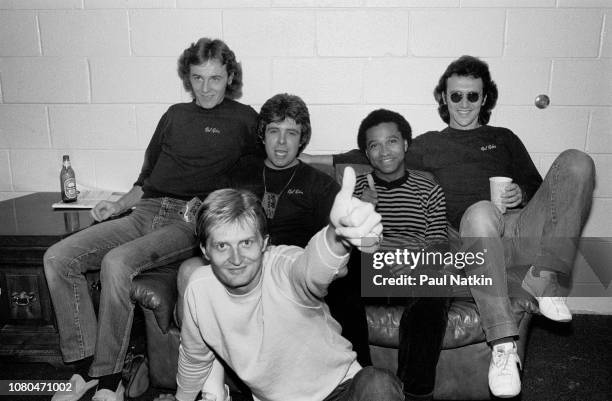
(92,77)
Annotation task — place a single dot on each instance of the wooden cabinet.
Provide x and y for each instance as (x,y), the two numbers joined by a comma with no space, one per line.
(28,226)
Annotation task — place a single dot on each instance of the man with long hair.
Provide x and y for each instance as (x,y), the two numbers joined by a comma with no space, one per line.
(193,151)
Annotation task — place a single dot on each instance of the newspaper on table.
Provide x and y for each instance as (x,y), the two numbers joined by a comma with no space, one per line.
(88,198)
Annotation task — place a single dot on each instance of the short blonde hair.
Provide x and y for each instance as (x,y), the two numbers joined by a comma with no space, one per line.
(226,206)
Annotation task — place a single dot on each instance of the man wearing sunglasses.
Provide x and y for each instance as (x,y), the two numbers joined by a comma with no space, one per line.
(539,229)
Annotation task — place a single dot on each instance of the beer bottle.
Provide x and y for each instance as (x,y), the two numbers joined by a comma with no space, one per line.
(68,182)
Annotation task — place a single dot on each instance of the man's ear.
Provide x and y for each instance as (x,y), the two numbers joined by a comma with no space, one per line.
(203,249)
(405,146)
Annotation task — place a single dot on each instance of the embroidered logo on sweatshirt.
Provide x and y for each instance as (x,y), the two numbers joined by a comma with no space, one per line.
(488,147)
(295,191)
(212,130)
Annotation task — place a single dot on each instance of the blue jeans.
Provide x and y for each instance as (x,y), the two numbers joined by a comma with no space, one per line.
(543,234)
(369,384)
(153,235)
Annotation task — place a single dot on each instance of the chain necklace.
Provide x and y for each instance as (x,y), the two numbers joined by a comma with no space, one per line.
(270,199)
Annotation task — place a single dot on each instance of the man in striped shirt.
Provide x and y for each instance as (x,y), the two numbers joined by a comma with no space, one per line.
(413,211)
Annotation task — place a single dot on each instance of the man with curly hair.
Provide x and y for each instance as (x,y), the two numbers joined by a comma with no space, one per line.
(192,153)
(297,199)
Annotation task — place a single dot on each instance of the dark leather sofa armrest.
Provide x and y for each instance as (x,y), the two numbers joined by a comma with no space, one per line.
(156,290)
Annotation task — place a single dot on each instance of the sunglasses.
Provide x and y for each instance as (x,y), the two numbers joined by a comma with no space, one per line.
(472,97)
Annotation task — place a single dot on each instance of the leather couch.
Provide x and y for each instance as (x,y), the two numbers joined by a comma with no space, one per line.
(461,371)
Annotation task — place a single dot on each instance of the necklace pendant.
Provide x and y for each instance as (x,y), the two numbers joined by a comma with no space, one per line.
(269,202)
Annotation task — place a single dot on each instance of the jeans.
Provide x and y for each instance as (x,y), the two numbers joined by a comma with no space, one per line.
(369,384)
(421,333)
(543,234)
(153,235)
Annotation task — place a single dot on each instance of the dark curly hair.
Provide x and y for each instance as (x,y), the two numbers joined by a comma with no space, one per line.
(383,116)
(468,66)
(282,106)
(211,49)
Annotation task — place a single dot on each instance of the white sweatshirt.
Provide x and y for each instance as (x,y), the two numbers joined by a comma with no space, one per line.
(279,338)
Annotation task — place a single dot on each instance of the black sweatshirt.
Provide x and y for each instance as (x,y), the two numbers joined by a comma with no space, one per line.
(463,161)
(194,150)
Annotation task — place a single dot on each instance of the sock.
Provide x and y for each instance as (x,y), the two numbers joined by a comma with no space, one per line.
(109,382)
(82,367)
(418,397)
(501,341)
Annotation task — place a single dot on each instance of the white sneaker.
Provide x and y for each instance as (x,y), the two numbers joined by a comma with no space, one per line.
(554,308)
(504,376)
(78,388)
(545,289)
(109,395)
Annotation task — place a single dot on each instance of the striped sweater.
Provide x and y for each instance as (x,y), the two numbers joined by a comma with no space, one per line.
(413,208)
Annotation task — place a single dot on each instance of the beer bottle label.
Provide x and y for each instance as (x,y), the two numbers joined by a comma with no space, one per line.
(70,188)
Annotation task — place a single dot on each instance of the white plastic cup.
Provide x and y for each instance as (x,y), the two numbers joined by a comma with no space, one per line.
(498,187)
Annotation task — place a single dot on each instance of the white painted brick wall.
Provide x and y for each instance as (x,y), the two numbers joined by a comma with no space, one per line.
(84,33)
(38,170)
(508,3)
(167,32)
(92,78)
(257,80)
(6,184)
(412,3)
(519,81)
(23,126)
(93,127)
(582,82)
(552,130)
(147,117)
(362,33)
(537,33)
(604,183)
(135,79)
(600,131)
(285,33)
(222,3)
(41,4)
(606,50)
(117,169)
(18,34)
(319,80)
(44,80)
(315,3)
(451,33)
(106,4)
(585,3)
(402,80)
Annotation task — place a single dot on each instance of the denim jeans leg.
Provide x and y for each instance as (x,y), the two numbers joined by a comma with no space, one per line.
(375,384)
(369,384)
(169,243)
(65,264)
(482,227)
(422,329)
(548,228)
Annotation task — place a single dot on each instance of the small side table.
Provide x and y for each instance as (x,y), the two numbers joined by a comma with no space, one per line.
(28,226)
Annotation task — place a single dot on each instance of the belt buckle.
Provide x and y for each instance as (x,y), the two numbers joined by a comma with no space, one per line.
(191,208)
